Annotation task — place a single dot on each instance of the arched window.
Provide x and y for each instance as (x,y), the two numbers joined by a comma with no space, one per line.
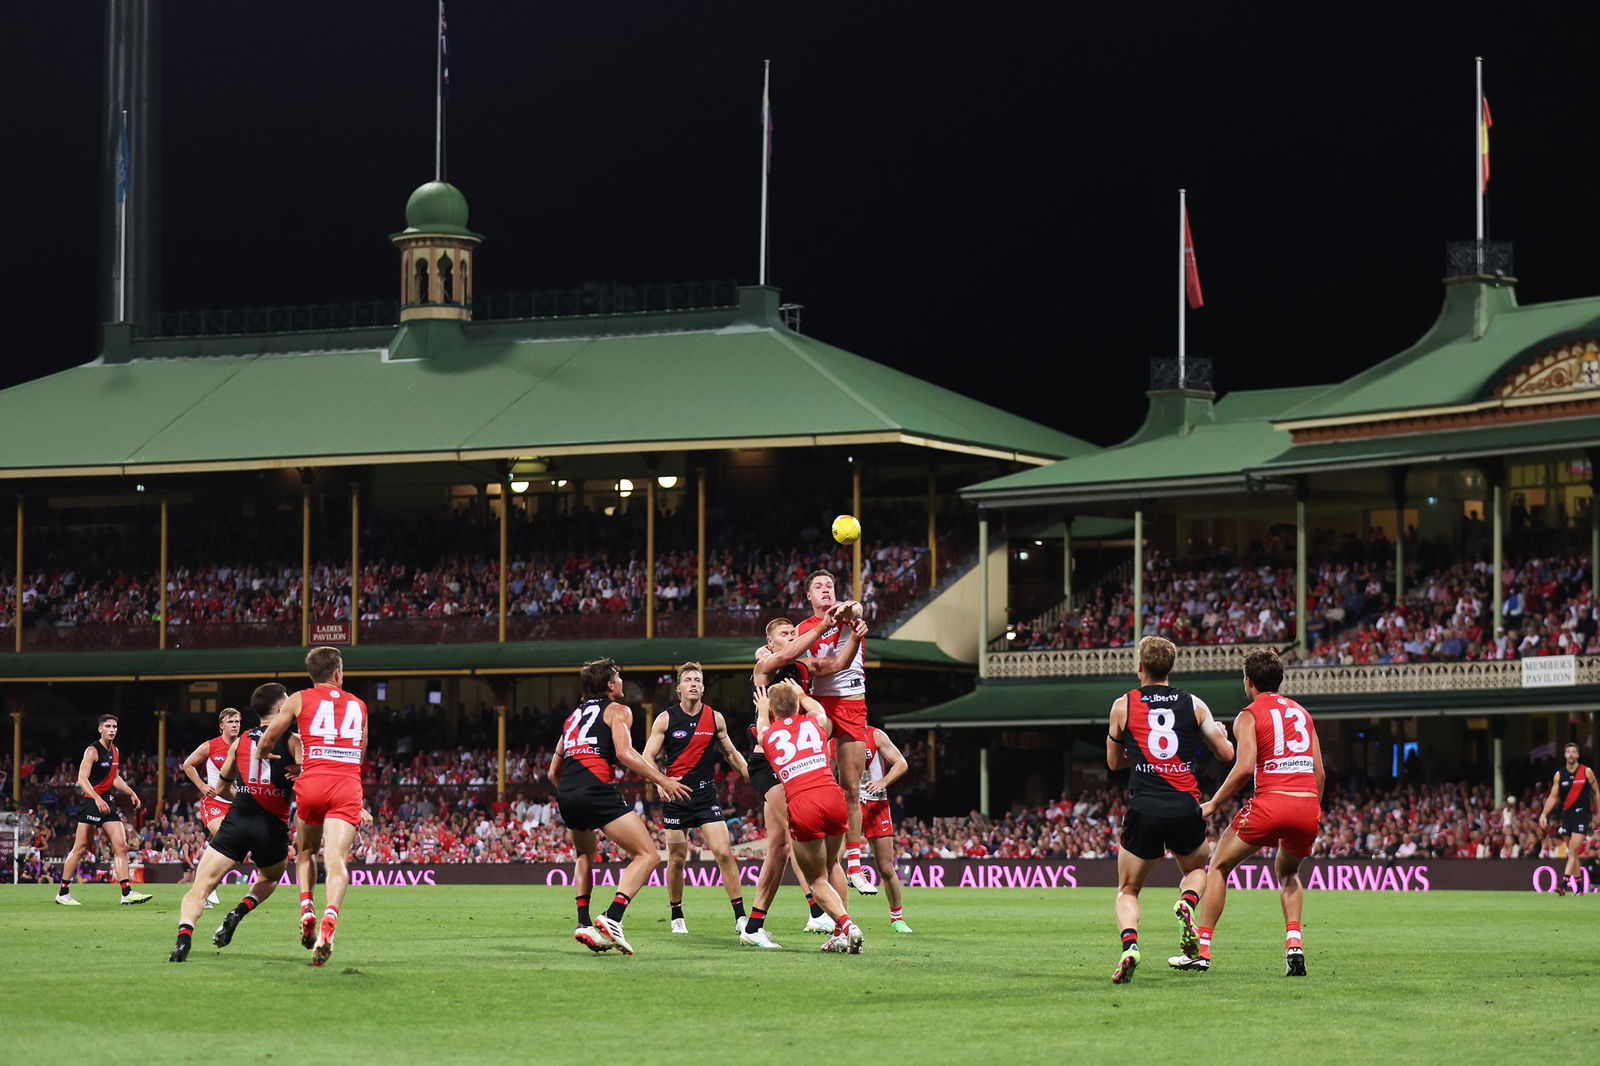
(421,287)
(447,280)
(466,285)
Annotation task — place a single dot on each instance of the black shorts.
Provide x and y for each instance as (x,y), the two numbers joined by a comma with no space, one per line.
(1577,822)
(701,807)
(591,805)
(1150,836)
(259,835)
(762,779)
(89,814)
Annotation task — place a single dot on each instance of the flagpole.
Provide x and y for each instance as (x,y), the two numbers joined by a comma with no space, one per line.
(1477,161)
(766,144)
(438,98)
(1183,214)
(122,223)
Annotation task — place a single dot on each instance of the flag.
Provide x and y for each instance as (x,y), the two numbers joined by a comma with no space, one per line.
(444,55)
(122,163)
(1191,273)
(1483,147)
(766,121)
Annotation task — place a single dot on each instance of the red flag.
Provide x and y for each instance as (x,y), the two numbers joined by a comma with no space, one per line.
(1483,147)
(1191,273)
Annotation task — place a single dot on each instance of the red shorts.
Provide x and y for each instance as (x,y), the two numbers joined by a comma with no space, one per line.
(817,813)
(875,820)
(212,809)
(327,796)
(1276,819)
(848,715)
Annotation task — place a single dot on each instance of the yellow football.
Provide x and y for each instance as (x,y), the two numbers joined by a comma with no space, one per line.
(846,529)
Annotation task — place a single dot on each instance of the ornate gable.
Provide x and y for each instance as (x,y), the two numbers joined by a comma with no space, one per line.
(1570,368)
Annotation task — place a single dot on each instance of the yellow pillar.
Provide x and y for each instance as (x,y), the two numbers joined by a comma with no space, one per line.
(855,549)
(16,608)
(933,755)
(933,531)
(700,555)
(650,559)
(161,761)
(16,755)
(505,584)
(355,563)
(305,567)
(500,775)
(161,579)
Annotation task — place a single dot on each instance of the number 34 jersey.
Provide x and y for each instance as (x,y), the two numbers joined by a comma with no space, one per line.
(798,753)
(332,724)
(1163,741)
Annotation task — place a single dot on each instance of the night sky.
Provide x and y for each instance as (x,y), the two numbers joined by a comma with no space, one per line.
(980,194)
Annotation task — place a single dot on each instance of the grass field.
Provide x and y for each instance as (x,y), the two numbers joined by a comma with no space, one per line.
(491,974)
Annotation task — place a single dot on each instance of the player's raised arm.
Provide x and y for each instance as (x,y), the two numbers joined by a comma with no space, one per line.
(87,789)
(729,752)
(814,710)
(794,649)
(896,763)
(1116,734)
(1244,763)
(619,717)
(288,711)
(230,766)
(841,659)
(763,711)
(191,769)
(1212,731)
(657,737)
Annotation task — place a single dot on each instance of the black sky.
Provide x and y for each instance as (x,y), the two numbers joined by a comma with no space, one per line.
(980,194)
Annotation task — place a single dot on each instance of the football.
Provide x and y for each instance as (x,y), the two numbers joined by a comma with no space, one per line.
(846,529)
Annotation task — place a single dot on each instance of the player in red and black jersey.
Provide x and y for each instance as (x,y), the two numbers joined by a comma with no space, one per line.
(597,738)
(259,786)
(1573,788)
(691,736)
(98,774)
(1157,731)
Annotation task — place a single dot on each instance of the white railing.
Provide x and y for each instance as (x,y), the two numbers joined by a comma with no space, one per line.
(1298,680)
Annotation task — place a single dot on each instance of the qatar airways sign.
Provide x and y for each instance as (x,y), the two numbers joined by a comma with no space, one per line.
(1318,875)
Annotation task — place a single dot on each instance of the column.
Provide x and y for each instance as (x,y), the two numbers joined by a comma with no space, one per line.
(355,562)
(1138,574)
(983,595)
(16,606)
(161,578)
(855,549)
(1302,637)
(505,579)
(16,754)
(1497,503)
(1399,537)
(650,559)
(500,741)
(305,566)
(1499,773)
(1066,560)
(700,553)
(161,761)
(933,755)
(983,779)
(933,531)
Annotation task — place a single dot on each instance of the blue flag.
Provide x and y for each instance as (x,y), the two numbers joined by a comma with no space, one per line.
(122,164)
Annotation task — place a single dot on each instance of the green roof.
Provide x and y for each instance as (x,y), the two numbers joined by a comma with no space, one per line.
(716,653)
(1479,336)
(1570,433)
(666,381)
(1238,434)
(436,207)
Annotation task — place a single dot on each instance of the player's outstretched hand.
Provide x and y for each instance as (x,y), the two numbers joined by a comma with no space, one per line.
(101,804)
(135,799)
(1208,808)
(860,626)
(674,791)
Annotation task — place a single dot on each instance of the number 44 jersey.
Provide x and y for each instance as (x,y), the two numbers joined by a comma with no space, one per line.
(1163,741)
(332,725)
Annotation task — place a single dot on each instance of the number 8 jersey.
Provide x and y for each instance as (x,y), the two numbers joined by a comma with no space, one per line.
(1163,740)
(332,725)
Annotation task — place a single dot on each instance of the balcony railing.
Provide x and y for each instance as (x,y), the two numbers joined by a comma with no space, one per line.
(1101,662)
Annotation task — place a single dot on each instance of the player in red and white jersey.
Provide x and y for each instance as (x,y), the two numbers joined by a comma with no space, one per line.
(256,826)
(785,657)
(329,804)
(211,755)
(885,765)
(1275,741)
(794,731)
(843,695)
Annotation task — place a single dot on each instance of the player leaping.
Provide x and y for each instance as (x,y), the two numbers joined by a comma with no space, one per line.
(1573,788)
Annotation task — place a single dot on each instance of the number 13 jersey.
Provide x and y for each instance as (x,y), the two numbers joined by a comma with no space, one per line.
(332,724)
(1283,745)
(1163,740)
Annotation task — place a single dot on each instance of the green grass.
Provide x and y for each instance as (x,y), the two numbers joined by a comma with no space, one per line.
(474,975)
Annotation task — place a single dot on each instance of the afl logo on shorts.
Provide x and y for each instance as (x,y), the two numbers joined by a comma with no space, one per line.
(679,734)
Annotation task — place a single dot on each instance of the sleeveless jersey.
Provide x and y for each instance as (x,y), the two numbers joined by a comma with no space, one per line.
(1163,740)
(799,754)
(331,723)
(1574,790)
(263,784)
(214,760)
(1283,745)
(796,671)
(104,770)
(690,747)
(849,683)
(587,747)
